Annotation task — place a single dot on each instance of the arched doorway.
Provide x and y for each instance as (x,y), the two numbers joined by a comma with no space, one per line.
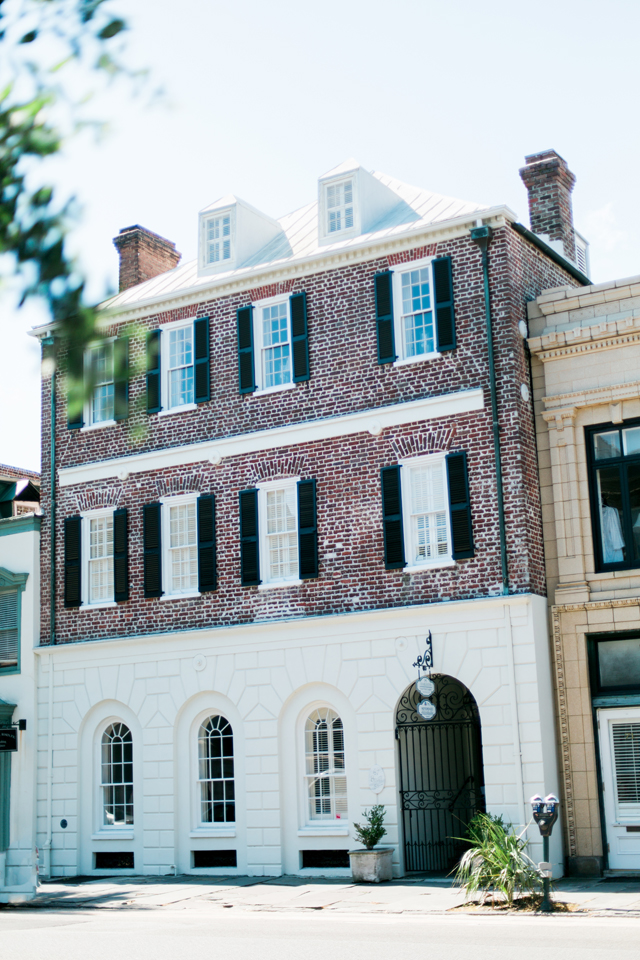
(441,780)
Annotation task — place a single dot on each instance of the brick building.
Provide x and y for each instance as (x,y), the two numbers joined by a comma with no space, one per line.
(302,455)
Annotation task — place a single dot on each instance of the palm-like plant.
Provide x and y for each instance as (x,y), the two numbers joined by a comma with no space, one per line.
(496,861)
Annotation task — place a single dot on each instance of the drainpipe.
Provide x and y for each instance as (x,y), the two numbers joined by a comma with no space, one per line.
(482,236)
(48,349)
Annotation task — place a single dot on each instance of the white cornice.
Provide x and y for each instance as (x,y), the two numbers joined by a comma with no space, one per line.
(607,335)
(590,397)
(322,259)
(563,299)
(373,420)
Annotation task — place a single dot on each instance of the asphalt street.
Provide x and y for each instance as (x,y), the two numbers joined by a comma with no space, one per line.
(187,934)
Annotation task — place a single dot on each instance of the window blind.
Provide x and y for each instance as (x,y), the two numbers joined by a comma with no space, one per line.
(8,628)
(626,752)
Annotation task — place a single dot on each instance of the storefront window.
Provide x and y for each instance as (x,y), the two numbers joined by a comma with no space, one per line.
(615,495)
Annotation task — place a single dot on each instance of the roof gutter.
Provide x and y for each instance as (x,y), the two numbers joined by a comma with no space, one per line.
(552,254)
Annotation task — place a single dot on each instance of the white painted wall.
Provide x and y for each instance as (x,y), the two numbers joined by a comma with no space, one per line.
(20,553)
(266,678)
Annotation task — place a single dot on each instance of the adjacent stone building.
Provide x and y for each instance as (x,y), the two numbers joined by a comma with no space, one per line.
(585,346)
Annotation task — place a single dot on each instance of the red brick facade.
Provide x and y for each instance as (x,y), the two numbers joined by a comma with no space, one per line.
(345,377)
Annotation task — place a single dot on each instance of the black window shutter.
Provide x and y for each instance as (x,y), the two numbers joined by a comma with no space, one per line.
(202,388)
(121,378)
(75,388)
(152,541)
(120,556)
(299,337)
(459,506)
(443,299)
(207,574)
(245,350)
(249,549)
(154,402)
(72,561)
(307,530)
(384,317)
(392,518)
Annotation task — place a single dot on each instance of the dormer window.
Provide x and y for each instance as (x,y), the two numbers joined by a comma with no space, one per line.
(218,238)
(340,206)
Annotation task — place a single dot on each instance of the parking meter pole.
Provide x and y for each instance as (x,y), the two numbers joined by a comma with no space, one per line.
(545,906)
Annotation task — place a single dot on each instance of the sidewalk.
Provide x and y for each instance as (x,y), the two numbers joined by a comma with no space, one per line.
(285,894)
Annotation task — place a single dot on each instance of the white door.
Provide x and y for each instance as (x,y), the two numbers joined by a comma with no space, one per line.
(619,733)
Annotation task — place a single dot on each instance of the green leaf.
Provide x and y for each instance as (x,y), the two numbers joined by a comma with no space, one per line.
(112,29)
(29,37)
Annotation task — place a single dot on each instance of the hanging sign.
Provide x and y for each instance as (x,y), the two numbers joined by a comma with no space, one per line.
(425,686)
(426,709)
(8,740)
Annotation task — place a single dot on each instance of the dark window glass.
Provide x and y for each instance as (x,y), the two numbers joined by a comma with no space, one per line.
(619,663)
(615,489)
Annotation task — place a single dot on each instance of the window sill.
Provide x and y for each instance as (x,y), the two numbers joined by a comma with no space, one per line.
(207,832)
(98,606)
(180,596)
(279,584)
(331,831)
(185,409)
(421,567)
(268,390)
(115,834)
(418,359)
(98,426)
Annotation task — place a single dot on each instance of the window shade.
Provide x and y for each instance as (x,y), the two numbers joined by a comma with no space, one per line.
(8,628)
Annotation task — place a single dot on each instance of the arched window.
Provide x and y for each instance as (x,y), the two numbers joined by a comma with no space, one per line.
(215,771)
(117,775)
(325,770)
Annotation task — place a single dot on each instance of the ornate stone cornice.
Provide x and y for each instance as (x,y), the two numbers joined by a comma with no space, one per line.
(571,343)
(566,404)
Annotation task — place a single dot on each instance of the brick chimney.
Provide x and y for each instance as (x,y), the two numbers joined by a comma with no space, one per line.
(549,183)
(143,255)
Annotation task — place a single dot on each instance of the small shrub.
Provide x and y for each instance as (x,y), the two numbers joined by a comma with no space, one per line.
(496,862)
(373,831)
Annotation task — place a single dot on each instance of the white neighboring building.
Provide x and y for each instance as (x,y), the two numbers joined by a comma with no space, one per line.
(19,634)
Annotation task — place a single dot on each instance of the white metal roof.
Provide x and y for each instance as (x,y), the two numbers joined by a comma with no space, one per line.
(416,208)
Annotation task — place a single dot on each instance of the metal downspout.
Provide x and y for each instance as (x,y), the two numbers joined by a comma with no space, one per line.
(49,344)
(481,236)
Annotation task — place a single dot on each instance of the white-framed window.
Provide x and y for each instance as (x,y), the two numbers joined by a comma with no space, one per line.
(177,366)
(180,544)
(216,777)
(425,510)
(278,520)
(99,375)
(116,776)
(325,771)
(97,553)
(218,238)
(339,207)
(272,339)
(414,313)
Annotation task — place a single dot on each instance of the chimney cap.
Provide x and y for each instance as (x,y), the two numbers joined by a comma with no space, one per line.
(543,155)
(136,228)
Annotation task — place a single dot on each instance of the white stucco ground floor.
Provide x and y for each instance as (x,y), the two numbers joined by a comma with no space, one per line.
(253,749)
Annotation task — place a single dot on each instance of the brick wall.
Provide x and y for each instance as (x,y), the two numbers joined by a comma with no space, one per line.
(345,377)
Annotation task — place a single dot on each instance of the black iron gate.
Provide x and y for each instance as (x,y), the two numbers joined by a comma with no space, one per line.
(441,782)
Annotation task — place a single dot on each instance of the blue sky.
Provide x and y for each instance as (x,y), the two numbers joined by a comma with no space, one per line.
(262,98)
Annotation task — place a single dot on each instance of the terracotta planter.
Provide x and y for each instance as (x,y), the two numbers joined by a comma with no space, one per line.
(371,866)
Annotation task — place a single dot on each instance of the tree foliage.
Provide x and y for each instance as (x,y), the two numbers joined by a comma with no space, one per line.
(48,48)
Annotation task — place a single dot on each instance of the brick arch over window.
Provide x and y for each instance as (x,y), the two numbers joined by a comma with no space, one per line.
(434,441)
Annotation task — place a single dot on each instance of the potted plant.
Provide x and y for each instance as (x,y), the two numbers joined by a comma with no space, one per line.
(370,865)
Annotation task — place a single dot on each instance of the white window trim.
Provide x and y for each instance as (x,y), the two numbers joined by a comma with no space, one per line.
(88,423)
(167,503)
(85,548)
(164,366)
(222,265)
(103,831)
(258,344)
(431,460)
(199,828)
(263,488)
(398,326)
(320,828)
(324,236)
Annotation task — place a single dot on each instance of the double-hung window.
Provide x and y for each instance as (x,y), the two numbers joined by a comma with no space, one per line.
(100,371)
(325,772)
(426,511)
(415,333)
(180,367)
(218,238)
(215,771)
(100,558)
(272,337)
(181,545)
(278,512)
(117,776)
(614,461)
(339,207)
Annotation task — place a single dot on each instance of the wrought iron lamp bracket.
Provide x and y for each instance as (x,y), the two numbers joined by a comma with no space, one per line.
(426,660)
